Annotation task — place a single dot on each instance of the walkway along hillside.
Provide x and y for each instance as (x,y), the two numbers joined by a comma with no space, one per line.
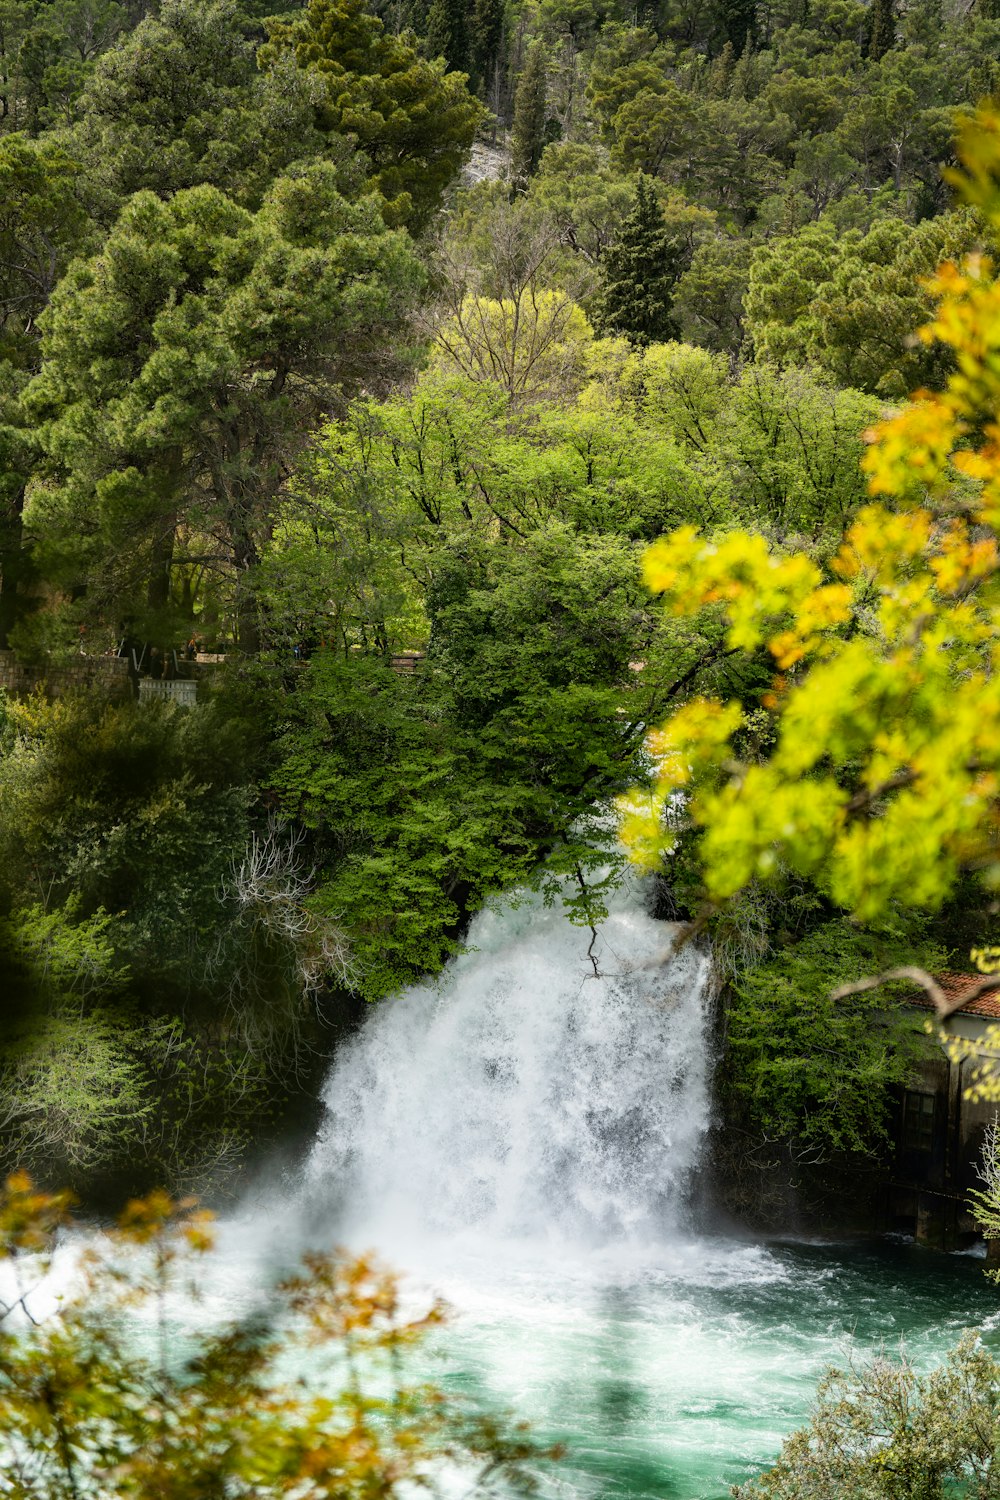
(117,676)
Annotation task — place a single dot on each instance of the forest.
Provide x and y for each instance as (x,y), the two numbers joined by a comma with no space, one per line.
(541,438)
(288,381)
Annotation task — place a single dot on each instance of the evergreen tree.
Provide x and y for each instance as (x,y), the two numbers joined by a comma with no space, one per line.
(180,365)
(882,35)
(486,42)
(527,136)
(749,75)
(181,102)
(448,33)
(641,269)
(737,22)
(923,24)
(437,35)
(414,121)
(42,226)
(720,74)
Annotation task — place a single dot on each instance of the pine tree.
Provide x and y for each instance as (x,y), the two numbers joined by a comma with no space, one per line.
(527,136)
(641,269)
(882,35)
(413,123)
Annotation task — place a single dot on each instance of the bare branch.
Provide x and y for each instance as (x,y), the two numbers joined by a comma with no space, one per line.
(867,795)
(926,982)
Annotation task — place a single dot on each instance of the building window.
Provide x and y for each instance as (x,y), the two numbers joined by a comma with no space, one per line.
(918,1121)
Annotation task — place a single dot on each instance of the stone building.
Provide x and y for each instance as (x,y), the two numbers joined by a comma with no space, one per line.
(938,1131)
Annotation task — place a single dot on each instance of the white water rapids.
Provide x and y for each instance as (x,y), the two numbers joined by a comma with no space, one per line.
(521,1097)
(523,1138)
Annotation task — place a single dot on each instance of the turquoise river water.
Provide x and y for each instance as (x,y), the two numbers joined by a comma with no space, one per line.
(524,1139)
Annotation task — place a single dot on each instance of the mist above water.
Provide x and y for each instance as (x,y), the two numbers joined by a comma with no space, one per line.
(523,1137)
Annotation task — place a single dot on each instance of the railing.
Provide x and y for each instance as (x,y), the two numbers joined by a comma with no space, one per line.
(178,689)
(118,676)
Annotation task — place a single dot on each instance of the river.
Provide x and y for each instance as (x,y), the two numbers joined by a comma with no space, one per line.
(525,1138)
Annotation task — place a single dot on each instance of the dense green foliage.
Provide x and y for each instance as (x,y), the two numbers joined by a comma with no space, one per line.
(433,790)
(181,103)
(178,366)
(641,269)
(273,377)
(138,995)
(505,539)
(413,120)
(389,440)
(848,303)
(812,1071)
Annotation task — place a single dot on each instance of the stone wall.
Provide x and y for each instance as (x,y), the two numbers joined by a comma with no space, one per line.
(82,674)
(14,678)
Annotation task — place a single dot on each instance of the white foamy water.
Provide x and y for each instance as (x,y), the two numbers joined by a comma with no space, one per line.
(522,1099)
(523,1138)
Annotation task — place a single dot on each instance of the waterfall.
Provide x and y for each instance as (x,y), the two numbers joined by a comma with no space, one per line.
(521,1097)
(520,1138)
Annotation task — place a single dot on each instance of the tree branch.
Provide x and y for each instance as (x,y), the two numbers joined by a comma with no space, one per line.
(926,982)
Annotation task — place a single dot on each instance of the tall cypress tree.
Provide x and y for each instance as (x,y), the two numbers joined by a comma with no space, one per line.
(485,42)
(882,35)
(527,136)
(720,74)
(448,33)
(641,268)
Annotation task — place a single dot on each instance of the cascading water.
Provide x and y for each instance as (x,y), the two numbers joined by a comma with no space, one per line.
(522,1096)
(522,1136)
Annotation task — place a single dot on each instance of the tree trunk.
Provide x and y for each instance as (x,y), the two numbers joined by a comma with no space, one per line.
(247,613)
(158,588)
(12,567)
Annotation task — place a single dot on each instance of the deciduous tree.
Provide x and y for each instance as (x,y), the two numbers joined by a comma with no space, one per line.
(881,783)
(882,1430)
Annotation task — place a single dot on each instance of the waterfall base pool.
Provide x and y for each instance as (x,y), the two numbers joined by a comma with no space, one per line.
(522,1136)
(668,1374)
(676,1380)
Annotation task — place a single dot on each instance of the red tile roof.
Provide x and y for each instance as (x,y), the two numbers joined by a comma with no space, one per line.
(954,985)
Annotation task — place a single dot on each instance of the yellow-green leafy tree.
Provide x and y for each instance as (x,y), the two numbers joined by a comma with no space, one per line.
(880,780)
